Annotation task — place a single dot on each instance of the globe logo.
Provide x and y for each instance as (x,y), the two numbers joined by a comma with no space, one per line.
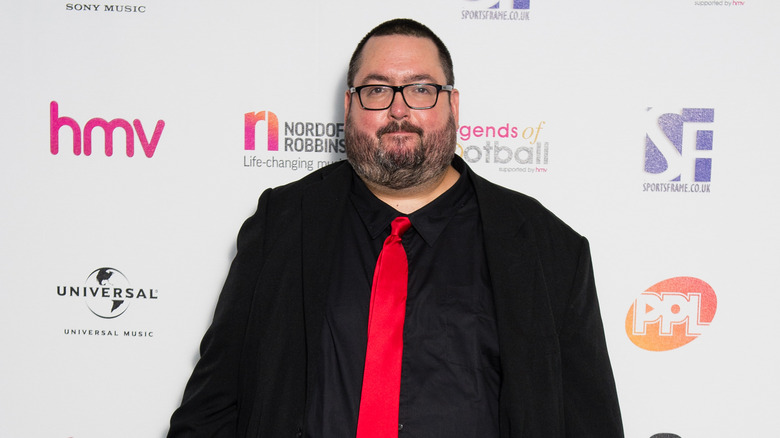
(105,293)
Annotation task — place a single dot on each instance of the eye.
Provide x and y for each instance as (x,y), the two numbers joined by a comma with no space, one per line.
(375,90)
(421,90)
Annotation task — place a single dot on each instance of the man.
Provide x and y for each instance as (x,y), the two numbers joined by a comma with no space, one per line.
(500,328)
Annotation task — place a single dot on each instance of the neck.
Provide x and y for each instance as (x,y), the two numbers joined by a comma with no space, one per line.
(412,199)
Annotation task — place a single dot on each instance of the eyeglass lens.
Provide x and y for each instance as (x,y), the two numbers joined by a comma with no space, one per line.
(415,96)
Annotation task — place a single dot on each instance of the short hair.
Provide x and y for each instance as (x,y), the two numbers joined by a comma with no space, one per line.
(407,27)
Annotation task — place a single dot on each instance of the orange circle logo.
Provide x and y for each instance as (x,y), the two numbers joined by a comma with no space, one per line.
(671,313)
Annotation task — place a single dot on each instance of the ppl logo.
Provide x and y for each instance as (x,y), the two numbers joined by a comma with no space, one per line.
(678,147)
(671,313)
(56,122)
(272,128)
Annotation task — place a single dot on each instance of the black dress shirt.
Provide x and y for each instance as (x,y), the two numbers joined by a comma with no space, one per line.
(450,371)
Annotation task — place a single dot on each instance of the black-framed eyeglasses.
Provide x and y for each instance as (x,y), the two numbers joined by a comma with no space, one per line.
(416,96)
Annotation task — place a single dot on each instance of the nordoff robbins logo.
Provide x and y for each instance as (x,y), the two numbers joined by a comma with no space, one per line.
(107,293)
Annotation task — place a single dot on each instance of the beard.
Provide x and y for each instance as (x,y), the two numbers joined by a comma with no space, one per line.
(394,164)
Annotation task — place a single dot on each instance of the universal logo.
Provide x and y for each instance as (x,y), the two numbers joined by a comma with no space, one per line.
(678,150)
(107,293)
(299,140)
(497,10)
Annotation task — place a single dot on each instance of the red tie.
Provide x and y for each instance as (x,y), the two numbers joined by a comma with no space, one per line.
(378,417)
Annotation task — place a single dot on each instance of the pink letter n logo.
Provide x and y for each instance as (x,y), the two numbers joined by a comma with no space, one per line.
(272,126)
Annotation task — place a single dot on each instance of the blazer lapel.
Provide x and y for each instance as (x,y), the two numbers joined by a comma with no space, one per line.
(527,338)
(322,211)
(512,259)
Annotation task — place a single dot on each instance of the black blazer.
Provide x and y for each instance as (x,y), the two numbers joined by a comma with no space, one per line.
(261,352)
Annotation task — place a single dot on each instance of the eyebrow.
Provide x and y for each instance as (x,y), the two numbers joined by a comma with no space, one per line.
(409,79)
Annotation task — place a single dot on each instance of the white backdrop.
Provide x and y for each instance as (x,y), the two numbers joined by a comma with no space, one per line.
(597,77)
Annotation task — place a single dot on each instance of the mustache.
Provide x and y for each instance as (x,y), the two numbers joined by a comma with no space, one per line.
(394,126)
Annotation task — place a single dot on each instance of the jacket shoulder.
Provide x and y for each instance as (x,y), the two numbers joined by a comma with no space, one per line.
(508,206)
(337,172)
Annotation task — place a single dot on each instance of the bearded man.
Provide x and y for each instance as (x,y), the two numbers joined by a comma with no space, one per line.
(399,294)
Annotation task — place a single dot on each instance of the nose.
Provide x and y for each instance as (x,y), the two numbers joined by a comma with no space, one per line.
(398,109)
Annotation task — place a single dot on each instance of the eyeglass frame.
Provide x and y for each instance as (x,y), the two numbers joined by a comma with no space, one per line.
(400,89)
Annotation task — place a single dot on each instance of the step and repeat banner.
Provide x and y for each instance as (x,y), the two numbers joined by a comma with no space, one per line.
(137,137)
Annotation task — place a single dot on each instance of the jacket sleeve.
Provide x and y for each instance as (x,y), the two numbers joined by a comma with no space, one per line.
(589,395)
(210,404)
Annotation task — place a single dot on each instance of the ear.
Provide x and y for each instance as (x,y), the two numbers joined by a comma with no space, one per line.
(455,104)
(347,104)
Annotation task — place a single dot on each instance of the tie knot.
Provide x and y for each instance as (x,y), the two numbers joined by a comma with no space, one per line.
(399,226)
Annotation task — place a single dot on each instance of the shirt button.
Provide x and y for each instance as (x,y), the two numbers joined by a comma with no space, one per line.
(400,427)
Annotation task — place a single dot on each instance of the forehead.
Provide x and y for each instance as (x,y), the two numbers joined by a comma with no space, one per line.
(399,59)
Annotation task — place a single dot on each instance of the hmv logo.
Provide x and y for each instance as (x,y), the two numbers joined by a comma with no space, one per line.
(57,122)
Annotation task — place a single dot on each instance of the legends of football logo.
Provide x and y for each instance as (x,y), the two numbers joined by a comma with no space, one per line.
(671,313)
(107,293)
(509,147)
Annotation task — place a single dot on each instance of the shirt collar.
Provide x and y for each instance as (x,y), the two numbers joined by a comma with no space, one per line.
(429,221)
